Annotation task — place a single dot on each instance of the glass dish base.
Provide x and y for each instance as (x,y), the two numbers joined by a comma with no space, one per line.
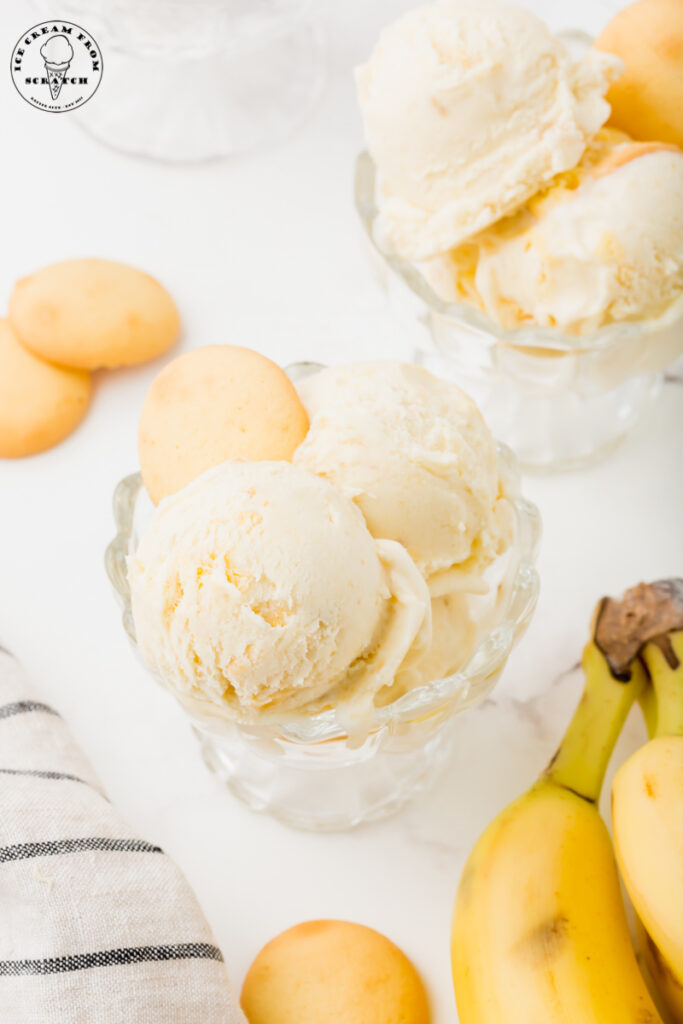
(346,787)
(553,429)
(203,82)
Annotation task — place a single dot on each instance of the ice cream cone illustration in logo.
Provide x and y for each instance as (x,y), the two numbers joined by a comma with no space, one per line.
(57,53)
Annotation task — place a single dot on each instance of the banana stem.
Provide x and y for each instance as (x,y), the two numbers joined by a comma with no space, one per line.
(581,761)
(664,662)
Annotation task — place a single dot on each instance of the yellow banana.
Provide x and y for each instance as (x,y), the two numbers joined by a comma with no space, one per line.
(539,929)
(647,819)
(664,988)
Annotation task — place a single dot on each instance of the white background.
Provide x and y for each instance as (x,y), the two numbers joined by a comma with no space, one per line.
(264,251)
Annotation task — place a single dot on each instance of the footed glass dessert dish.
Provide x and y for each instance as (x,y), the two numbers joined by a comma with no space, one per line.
(199,81)
(322,770)
(557,400)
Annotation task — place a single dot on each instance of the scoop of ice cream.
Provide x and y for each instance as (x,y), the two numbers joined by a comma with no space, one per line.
(57,50)
(469,109)
(454,635)
(415,455)
(647,100)
(604,246)
(258,588)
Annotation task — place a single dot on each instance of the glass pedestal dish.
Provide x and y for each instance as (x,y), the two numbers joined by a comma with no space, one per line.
(557,400)
(197,81)
(314,770)
(333,784)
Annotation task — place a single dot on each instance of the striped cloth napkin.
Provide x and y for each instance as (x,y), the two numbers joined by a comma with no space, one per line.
(96,925)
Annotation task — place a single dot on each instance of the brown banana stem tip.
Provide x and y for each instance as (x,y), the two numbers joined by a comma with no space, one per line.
(645,612)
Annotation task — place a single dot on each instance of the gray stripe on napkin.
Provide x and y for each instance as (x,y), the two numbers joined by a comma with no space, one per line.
(112,958)
(63,776)
(56,847)
(22,707)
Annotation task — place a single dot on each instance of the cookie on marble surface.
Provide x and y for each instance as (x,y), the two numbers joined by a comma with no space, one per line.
(93,313)
(213,404)
(333,972)
(40,404)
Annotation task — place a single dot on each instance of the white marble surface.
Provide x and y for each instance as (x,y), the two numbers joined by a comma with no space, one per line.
(263,251)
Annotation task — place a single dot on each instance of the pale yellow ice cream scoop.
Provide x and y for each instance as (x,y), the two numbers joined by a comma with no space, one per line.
(415,455)
(607,249)
(469,108)
(258,589)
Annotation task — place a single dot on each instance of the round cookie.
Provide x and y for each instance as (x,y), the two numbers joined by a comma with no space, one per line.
(647,100)
(333,972)
(39,403)
(93,313)
(213,404)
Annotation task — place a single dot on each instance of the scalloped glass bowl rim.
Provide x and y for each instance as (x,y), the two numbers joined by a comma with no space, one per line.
(474,679)
(477,322)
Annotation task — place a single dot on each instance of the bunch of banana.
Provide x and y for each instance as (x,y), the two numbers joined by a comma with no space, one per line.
(647,821)
(539,931)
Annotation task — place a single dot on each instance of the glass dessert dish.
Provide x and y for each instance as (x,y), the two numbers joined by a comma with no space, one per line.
(322,770)
(189,82)
(557,400)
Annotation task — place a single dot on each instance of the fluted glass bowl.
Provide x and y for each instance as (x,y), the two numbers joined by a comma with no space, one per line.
(310,770)
(557,400)
(199,80)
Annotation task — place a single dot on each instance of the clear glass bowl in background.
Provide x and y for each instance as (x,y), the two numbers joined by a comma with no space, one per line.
(309,770)
(188,81)
(557,400)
